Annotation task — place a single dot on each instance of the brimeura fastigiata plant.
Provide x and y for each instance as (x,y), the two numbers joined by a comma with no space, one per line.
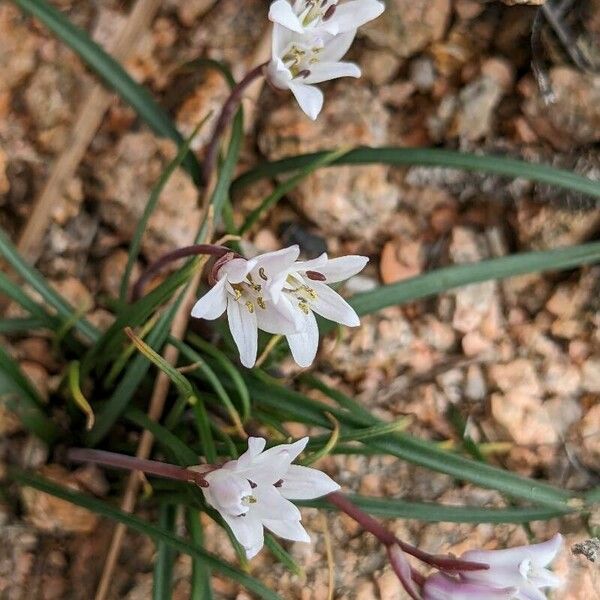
(229,454)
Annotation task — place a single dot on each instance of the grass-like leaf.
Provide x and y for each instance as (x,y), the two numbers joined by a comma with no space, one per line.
(433,157)
(20,397)
(154,532)
(165,556)
(201,587)
(111,72)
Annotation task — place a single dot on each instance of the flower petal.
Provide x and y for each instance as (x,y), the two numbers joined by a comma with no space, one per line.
(225,492)
(544,553)
(278,74)
(529,592)
(242,324)
(282,12)
(309,98)
(255,446)
(332,306)
(304,483)
(288,530)
(248,531)
(442,587)
(270,503)
(280,318)
(351,15)
(337,46)
(326,71)
(236,269)
(314,264)
(304,344)
(213,304)
(342,268)
(292,451)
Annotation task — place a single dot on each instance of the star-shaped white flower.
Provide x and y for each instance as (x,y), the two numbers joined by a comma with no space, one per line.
(303,289)
(523,568)
(254,492)
(240,289)
(300,61)
(324,16)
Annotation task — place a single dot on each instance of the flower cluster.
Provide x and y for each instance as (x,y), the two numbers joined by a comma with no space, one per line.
(254,492)
(278,294)
(309,39)
(514,574)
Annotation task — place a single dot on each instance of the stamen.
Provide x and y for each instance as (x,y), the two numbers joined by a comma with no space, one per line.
(252,484)
(305,72)
(303,305)
(312,294)
(279,483)
(329,12)
(262,274)
(250,306)
(237,292)
(316,276)
(260,301)
(246,500)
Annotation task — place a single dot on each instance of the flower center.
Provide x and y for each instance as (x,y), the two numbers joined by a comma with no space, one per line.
(316,11)
(299,58)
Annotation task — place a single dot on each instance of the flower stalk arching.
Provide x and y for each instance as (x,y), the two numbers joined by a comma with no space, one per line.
(195,250)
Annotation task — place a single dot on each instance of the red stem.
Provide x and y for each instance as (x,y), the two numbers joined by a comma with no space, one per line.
(132,463)
(387,538)
(165,259)
(227,112)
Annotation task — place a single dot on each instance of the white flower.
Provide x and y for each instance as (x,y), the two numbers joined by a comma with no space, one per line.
(240,290)
(523,567)
(328,16)
(254,492)
(298,62)
(443,587)
(303,290)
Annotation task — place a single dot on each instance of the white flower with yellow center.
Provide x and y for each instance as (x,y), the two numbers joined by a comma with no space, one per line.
(254,492)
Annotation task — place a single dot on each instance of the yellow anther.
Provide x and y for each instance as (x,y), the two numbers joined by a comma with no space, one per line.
(303,306)
(250,306)
(260,301)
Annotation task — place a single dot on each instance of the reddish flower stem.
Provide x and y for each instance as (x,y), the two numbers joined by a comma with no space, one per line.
(227,112)
(131,463)
(387,538)
(165,259)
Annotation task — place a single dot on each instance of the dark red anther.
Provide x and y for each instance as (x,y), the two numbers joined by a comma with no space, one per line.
(278,483)
(304,73)
(329,12)
(252,484)
(315,276)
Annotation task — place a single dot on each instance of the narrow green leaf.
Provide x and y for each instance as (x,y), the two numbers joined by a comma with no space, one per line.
(230,370)
(283,556)
(204,429)
(35,279)
(136,524)
(442,280)
(433,157)
(165,556)
(289,184)
(16,294)
(21,325)
(414,450)
(201,587)
(111,72)
(20,397)
(393,508)
(77,395)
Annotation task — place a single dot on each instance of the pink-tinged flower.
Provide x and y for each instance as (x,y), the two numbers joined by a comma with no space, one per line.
(443,587)
(254,492)
(324,16)
(523,567)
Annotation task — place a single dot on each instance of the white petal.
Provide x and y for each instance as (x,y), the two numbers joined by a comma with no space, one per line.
(248,531)
(529,592)
(309,98)
(213,304)
(304,483)
(225,492)
(281,12)
(332,306)
(443,587)
(268,468)
(292,451)
(304,344)
(289,530)
(242,324)
(544,553)
(339,269)
(326,71)
(270,503)
(541,577)
(255,446)
(351,15)
(236,270)
(278,74)
(271,269)
(314,264)
(337,46)
(279,319)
